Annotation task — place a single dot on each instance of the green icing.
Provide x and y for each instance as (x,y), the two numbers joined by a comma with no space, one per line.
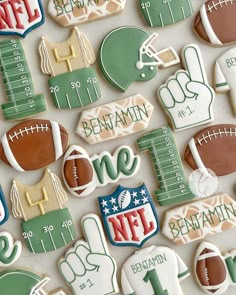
(75,89)
(49,232)
(231,265)
(168,166)
(119,54)
(18,83)
(160,13)
(152,277)
(5,256)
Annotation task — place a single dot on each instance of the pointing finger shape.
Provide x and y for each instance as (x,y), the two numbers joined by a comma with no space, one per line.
(176,90)
(94,234)
(166,97)
(192,59)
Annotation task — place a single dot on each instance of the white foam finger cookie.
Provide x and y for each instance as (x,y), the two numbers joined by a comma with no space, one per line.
(176,90)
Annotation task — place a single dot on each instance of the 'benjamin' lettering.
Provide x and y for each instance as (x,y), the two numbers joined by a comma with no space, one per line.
(148,263)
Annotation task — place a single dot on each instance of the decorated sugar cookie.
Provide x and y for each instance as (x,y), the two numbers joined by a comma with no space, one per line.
(47,225)
(70,13)
(187,97)
(20,17)
(88,268)
(114,120)
(4,213)
(10,250)
(225,76)
(82,174)
(213,148)
(196,220)
(215,21)
(73,81)
(22,101)
(33,144)
(28,282)
(159,13)
(127,54)
(153,270)
(168,166)
(129,216)
(215,272)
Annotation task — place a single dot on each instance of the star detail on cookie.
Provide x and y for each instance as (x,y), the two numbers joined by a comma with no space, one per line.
(106,211)
(134,194)
(115,208)
(104,203)
(136,202)
(143,192)
(145,200)
(112,201)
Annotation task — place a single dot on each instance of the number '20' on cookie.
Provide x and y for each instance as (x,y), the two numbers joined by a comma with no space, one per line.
(129,216)
(127,54)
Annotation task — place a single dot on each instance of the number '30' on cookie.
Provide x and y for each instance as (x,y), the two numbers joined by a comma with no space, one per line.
(186,96)
(127,54)
(153,270)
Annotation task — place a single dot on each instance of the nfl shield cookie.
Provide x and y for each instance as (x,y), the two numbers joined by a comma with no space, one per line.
(129,216)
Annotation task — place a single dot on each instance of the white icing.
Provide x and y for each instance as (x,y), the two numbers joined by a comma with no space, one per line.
(56,134)
(12,246)
(195,154)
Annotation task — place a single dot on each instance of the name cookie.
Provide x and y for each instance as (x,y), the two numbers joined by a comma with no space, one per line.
(20,17)
(186,96)
(213,148)
(69,13)
(168,166)
(215,272)
(10,250)
(159,13)
(146,272)
(4,213)
(82,174)
(225,76)
(33,144)
(73,81)
(127,54)
(17,80)
(88,267)
(129,216)
(47,225)
(114,120)
(214,23)
(28,282)
(197,220)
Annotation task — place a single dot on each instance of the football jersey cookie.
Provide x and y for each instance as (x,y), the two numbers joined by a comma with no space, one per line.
(153,270)
(127,54)
(213,148)
(70,13)
(214,23)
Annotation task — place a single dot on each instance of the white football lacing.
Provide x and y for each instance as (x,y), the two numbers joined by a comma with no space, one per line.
(214,4)
(31,129)
(216,135)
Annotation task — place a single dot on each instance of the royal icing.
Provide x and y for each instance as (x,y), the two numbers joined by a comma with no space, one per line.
(159,13)
(168,166)
(114,120)
(225,72)
(4,213)
(18,83)
(82,174)
(127,55)
(186,97)
(88,268)
(10,250)
(69,12)
(153,270)
(73,81)
(20,17)
(47,225)
(129,216)
(194,221)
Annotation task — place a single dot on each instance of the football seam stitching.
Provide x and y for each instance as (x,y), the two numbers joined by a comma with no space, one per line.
(219,2)
(29,130)
(214,134)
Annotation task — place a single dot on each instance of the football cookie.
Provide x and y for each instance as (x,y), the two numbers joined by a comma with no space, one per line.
(127,54)
(88,268)
(47,225)
(225,76)
(114,120)
(33,144)
(10,250)
(168,166)
(70,13)
(153,270)
(20,17)
(159,13)
(214,23)
(73,82)
(129,216)
(17,80)
(82,174)
(28,282)
(187,97)
(196,220)
(213,148)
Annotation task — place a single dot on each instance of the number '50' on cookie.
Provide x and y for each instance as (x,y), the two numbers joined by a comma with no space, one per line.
(186,96)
